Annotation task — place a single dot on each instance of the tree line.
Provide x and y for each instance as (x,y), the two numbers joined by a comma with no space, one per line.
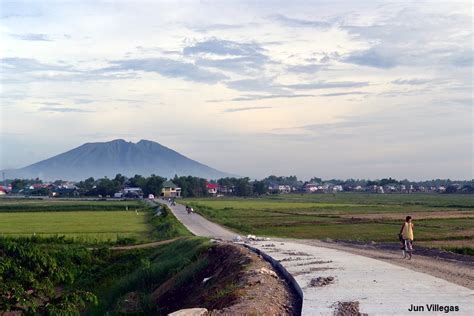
(197,187)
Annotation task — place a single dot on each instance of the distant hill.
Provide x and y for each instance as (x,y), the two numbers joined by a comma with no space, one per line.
(118,156)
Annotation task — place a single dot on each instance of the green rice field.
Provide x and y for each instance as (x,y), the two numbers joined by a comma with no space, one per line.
(87,221)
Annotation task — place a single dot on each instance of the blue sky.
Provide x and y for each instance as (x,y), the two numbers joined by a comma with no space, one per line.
(336,89)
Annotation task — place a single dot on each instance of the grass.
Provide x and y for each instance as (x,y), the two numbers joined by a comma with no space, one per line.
(55,205)
(142,271)
(88,221)
(346,216)
(166,225)
(463,250)
(98,225)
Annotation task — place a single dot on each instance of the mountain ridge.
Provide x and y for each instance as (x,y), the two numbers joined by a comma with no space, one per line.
(99,159)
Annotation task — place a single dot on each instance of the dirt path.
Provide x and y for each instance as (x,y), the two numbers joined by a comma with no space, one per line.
(454,268)
(141,246)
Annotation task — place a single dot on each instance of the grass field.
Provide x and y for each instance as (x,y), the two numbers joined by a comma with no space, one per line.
(445,221)
(52,205)
(80,225)
(86,221)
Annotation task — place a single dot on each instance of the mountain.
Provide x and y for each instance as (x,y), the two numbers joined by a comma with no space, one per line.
(118,156)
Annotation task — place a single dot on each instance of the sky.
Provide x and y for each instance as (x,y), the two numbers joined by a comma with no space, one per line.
(333,89)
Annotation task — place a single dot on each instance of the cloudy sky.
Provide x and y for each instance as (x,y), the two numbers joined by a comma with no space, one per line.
(335,89)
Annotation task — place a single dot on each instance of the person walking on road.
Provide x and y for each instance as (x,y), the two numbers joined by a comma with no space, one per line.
(406,233)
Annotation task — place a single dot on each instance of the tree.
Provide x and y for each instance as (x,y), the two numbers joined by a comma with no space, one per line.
(227,182)
(19,184)
(40,192)
(451,189)
(106,187)
(120,179)
(388,181)
(191,186)
(153,185)
(292,181)
(243,187)
(259,187)
(86,186)
(468,189)
(371,183)
(29,277)
(137,181)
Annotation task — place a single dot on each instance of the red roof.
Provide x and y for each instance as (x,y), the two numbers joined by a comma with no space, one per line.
(212,186)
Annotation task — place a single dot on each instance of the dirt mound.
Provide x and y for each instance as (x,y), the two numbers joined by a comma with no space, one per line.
(347,309)
(227,279)
(321,281)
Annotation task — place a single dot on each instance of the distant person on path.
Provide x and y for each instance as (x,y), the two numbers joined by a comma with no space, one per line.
(406,232)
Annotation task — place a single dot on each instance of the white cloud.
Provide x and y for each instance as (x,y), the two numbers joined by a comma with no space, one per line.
(175,73)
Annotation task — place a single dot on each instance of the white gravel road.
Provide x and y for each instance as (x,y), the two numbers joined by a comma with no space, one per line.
(380,288)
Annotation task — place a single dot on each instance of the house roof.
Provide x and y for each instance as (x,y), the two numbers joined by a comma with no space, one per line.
(169,184)
(132,189)
(212,186)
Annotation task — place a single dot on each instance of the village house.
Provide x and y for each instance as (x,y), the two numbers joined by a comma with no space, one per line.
(37,186)
(310,188)
(64,192)
(129,192)
(390,188)
(284,189)
(337,188)
(280,188)
(67,185)
(273,187)
(170,190)
(224,190)
(212,188)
